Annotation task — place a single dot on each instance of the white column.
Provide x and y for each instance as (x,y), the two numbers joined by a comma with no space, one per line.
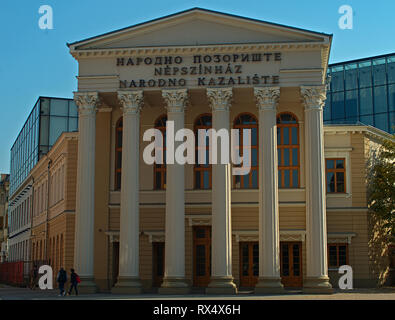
(269,225)
(129,240)
(85,202)
(221,244)
(174,276)
(316,234)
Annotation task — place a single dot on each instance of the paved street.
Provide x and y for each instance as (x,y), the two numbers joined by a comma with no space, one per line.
(13,293)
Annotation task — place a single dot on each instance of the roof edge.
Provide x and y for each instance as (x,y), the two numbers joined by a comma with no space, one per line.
(202,10)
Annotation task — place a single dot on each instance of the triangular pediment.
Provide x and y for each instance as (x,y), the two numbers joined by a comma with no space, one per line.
(197,27)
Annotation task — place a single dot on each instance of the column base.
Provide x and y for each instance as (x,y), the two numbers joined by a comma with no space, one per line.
(87,285)
(177,286)
(127,285)
(317,285)
(221,285)
(268,285)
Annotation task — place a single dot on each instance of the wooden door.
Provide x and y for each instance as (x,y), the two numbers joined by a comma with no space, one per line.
(158,263)
(249,263)
(115,262)
(201,256)
(291,264)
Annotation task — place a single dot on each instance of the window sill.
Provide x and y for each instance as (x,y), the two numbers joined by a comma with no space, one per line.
(339,195)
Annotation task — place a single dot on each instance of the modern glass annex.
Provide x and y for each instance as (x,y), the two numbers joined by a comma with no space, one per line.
(362,91)
(46,122)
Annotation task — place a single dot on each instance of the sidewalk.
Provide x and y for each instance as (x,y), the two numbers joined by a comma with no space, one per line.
(14,293)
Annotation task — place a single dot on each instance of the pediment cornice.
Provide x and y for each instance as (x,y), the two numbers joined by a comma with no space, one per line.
(184,50)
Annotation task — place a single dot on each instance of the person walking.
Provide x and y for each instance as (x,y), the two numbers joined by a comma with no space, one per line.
(33,277)
(74,280)
(62,279)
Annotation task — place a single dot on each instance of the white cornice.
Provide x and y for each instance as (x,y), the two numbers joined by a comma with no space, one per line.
(184,50)
(368,130)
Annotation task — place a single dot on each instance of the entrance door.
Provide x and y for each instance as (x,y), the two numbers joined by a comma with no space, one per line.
(158,263)
(115,262)
(249,263)
(291,264)
(201,256)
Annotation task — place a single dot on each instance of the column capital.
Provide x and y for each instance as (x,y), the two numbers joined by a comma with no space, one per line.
(220,98)
(86,102)
(313,96)
(131,101)
(267,97)
(175,99)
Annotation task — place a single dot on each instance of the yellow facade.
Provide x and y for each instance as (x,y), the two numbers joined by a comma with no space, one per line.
(52,239)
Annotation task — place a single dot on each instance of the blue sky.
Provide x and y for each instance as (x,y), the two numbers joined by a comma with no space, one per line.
(36,62)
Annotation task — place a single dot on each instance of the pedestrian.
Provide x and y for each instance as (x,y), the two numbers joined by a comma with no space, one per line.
(62,279)
(33,277)
(74,281)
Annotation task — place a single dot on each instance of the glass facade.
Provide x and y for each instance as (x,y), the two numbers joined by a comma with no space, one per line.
(49,118)
(362,91)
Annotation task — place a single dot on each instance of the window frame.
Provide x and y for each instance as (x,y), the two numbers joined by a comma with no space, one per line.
(241,127)
(337,245)
(201,169)
(118,152)
(162,169)
(335,170)
(281,146)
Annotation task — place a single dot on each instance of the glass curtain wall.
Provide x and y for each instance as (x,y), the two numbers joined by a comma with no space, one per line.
(49,118)
(362,91)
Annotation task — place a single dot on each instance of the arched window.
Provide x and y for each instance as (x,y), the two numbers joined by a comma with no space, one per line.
(250,180)
(160,169)
(288,150)
(118,153)
(202,172)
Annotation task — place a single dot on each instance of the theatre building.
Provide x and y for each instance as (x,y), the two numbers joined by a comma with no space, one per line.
(291,221)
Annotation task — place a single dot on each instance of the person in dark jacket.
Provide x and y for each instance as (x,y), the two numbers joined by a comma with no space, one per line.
(34,276)
(62,278)
(73,282)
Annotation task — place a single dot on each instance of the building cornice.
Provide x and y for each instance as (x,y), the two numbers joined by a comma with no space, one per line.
(185,50)
(368,130)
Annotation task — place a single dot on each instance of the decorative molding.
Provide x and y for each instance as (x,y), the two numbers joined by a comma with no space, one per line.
(87,102)
(131,101)
(155,236)
(340,237)
(220,98)
(219,48)
(267,97)
(198,220)
(313,96)
(175,99)
(106,109)
(285,235)
(113,235)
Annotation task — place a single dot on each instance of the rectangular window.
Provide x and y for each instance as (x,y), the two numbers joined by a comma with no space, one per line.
(335,169)
(380,99)
(365,74)
(337,80)
(366,103)
(338,105)
(351,76)
(351,104)
(337,255)
(379,74)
